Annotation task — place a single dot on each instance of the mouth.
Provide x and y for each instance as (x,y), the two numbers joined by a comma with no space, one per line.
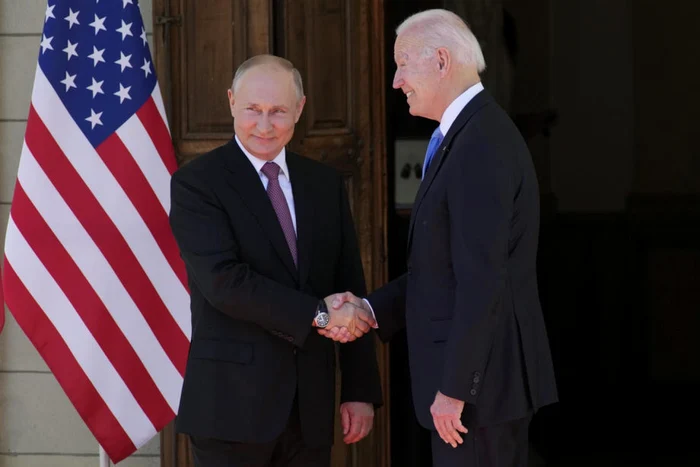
(409,94)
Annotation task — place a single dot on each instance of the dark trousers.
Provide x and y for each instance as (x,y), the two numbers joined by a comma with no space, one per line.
(504,445)
(288,450)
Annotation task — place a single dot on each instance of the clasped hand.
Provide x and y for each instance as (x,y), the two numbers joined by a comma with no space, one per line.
(350,318)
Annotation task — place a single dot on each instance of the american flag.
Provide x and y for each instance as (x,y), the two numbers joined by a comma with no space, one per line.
(92,273)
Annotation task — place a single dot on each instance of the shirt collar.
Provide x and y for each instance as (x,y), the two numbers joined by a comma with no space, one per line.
(457,105)
(280,160)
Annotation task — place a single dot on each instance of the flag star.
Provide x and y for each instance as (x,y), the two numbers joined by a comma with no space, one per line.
(69,81)
(124,61)
(96,87)
(143,36)
(126,2)
(123,93)
(125,30)
(94,118)
(146,67)
(49,12)
(96,56)
(46,43)
(72,18)
(99,24)
(70,50)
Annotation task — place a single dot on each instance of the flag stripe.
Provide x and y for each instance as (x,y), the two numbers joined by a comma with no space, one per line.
(92,270)
(102,278)
(80,343)
(90,308)
(102,187)
(117,158)
(144,153)
(158,100)
(82,394)
(159,133)
(109,240)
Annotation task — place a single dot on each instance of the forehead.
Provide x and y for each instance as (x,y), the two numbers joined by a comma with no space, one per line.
(267,85)
(407,45)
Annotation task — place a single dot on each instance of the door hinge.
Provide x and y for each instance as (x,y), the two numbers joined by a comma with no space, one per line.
(168,20)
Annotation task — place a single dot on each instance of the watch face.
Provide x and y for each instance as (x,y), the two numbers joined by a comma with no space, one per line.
(322,320)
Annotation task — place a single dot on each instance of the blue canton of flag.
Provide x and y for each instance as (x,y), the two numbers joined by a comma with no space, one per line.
(96,56)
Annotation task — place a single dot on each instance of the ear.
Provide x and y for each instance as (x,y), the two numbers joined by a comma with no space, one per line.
(444,60)
(300,107)
(231,100)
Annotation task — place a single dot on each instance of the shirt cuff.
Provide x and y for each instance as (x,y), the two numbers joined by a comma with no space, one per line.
(376,326)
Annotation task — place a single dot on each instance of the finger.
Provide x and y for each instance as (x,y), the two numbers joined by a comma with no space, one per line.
(323,332)
(366,426)
(460,427)
(446,432)
(365,317)
(440,427)
(340,298)
(355,428)
(452,425)
(361,325)
(345,419)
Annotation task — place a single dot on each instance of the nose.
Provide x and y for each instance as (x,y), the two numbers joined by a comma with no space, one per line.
(264,123)
(398,81)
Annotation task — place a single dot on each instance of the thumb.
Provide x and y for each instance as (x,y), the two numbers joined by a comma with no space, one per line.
(345,419)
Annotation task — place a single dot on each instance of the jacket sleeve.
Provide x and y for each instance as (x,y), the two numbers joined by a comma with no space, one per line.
(360,380)
(212,256)
(389,305)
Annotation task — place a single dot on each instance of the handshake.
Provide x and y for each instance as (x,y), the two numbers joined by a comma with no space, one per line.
(349,318)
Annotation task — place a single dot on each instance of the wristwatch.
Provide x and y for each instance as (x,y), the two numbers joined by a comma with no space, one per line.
(322,316)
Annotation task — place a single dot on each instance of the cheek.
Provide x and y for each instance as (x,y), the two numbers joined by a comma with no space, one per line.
(283,123)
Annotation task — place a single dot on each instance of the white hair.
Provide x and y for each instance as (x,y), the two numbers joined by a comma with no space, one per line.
(442,28)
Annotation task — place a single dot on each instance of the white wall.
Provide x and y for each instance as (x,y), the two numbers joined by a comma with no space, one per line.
(38,425)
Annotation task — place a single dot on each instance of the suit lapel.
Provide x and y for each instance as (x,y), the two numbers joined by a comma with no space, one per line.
(464,116)
(246,182)
(303,204)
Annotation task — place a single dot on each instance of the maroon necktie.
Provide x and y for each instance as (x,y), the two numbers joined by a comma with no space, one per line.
(279,203)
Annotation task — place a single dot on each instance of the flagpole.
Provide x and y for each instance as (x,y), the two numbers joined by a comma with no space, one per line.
(104,458)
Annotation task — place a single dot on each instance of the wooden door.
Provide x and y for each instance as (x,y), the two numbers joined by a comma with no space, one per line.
(337,45)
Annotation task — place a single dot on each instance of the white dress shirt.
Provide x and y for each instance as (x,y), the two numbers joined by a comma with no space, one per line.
(448,118)
(284,179)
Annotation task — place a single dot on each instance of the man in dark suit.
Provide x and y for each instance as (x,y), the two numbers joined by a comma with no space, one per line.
(264,234)
(478,349)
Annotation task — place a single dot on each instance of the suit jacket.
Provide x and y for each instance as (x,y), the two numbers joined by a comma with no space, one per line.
(253,349)
(469,299)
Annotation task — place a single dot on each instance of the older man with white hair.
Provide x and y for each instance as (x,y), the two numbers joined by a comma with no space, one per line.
(478,349)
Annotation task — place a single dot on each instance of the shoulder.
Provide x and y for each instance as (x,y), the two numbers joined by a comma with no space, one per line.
(205,165)
(313,169)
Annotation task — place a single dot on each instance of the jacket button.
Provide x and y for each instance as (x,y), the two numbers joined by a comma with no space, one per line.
(476,380)
(473,392)
(410,270)
(290,338)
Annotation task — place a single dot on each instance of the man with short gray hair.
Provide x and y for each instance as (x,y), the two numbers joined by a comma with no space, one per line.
(478,349)
(265,235)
